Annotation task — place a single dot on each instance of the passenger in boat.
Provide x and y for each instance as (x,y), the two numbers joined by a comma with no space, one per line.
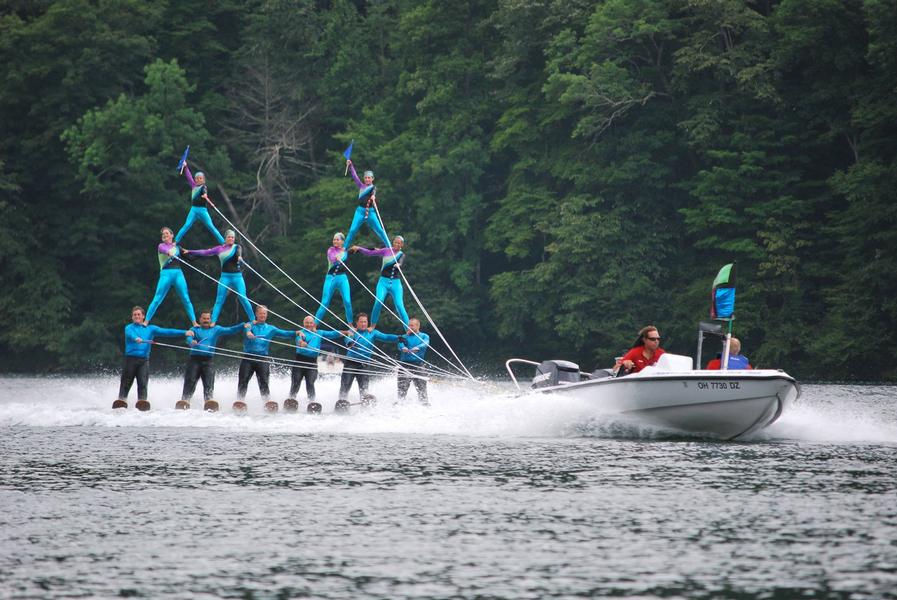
(360,342)
(390,282)
(199,195)
(138,343)
(202,353)
(412,350)
(230,254)
(736,360)
(646,351)
(366,212)
(336,279)
(258,339)
(308,346)
(170,275)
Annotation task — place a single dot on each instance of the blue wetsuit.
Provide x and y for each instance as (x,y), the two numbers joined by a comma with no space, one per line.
(231,277)
(366,212)
(390,282)
(313,341)
(145,333)
(308,356)
(199,363)
(136,363)
(418,342)
(263,333)
(335,280)
(198,210)
(170,275)
(361,345)
(205,339)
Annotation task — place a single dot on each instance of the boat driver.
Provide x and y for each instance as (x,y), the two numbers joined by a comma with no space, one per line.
(645,352)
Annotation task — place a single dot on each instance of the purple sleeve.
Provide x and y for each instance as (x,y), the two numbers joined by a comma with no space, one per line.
(355,176)
(208,251)
(189,176)
(376,251)
(334,254)
(163,248)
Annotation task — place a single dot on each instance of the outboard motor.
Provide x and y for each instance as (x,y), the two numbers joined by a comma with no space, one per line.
(554,372)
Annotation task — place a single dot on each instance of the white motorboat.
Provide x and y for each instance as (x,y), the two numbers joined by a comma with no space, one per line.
(672,394)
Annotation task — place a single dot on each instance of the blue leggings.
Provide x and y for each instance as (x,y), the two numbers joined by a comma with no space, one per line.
(390,287)
(235,282)
(169,278)
(200,213)
(341,284)
(373,222)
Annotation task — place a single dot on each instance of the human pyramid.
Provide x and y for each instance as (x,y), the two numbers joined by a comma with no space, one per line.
(357,339)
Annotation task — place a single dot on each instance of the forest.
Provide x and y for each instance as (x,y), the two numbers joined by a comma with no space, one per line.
(563,171)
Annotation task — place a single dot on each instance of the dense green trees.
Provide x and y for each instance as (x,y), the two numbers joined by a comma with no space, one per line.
(563,172)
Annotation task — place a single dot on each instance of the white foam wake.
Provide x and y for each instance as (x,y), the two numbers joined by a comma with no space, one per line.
(839,414)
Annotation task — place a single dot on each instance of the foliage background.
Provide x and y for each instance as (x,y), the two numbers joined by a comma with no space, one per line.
(564,171)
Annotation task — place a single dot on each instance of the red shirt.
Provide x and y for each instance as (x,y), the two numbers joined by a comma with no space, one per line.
(636,356)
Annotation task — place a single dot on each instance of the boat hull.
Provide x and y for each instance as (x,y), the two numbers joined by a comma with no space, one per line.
(720,404)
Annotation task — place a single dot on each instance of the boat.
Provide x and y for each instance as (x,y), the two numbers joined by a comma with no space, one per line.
(675,393)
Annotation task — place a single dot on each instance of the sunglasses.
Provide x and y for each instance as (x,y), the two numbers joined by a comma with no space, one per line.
(653,339)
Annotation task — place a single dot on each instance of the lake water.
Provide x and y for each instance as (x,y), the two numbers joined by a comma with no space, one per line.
(482,495)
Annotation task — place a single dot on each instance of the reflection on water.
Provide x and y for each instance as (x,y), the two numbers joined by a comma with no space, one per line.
(483,495)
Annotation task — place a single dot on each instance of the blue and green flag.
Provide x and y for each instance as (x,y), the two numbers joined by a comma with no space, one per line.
(722,296)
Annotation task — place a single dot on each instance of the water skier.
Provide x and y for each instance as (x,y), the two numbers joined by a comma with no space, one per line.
(360,342)
(199,196)
(202,352)
(390,282)
(258,339)
(336,278)
(412,350)
(366,212)
(230,254)
(170,275)
(308,347)
(138,343)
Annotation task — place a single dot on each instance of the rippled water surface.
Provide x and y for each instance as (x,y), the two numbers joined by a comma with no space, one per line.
(483,495)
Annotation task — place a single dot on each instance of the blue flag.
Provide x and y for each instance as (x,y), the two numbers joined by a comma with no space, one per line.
(348,152)
(183,160)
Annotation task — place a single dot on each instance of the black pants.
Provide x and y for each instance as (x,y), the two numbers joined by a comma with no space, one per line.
(351,371)
(199,366)
(404,381)
(134,368)
(309,373)
(262,371)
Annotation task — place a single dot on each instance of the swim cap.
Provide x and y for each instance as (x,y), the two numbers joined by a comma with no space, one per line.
(369,174)
(230,232)
(339,234)
(199,174)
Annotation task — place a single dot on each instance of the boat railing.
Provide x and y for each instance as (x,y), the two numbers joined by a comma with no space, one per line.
(518,360)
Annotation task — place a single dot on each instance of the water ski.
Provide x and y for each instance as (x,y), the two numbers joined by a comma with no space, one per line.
(271,406)
(142,405)
(314,408)
(210,406)
(240,407)
(120,404)
(368,400)
(290,405)
(182,405)
(341,407)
